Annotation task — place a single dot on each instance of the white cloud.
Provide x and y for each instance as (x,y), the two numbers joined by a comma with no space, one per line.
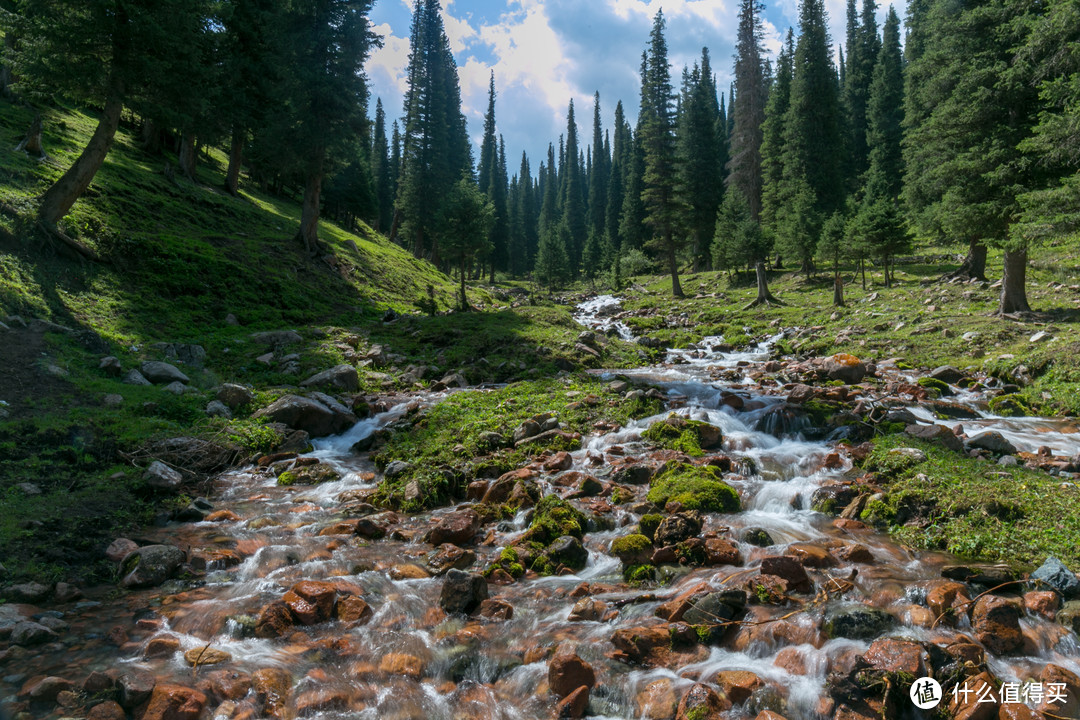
(458,30)
(387,65)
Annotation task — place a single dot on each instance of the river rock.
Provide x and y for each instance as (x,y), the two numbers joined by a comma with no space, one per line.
(574,705)
(311,602)
(757,536)
(845,368)
(947,374)
(119,549)
(676,528)
(993,441)
(716,607)
(495,609)
(275,620)
(721,551)
(858,622)
(174,702)
(789,569)
(831,499)
(1055,575)
(457,528)
(656,701)
(272,687)
(938,434)
(396,468)
(235,396)
(1070,706)
(150,566)
(996,621)
(568,550)
(311,414)
(567,672)
(701,702)
(29,634)
(945,598)
(206,656)
(897,655)
(108,710)
(1042,603)
(135,687)
(588,610)
(162,373)
(462,592)
(161,476)
(738,685)
(31,592)
(342,377)
(111,366)
(134,377)
(216,408)
(527,429)
(633,475)
(449,556)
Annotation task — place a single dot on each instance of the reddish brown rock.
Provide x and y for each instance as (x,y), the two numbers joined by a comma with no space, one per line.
(272,688)
(897,655)
(135,687)
(1016,711)
(811,555)
(311,602)
(458,528)
(496,609)
(853,553)
(792,660)
(738,685)
(322,700)
(701,702)
(721,551)
(44,689)
(966,706)
(274,621)
(97,682)
(946,599)
(119,549)
(769,715)
(222,516)
(108,710)
(174,702)
(401,664)
(1067,685)
(996,621)
(574,705)
(567,672)
(789,569)
(558,462)
(227,684)
(588,609)
(656,701)
(1044,603)
(352,608)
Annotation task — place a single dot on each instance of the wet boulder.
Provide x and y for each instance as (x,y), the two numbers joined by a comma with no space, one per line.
(462,592)
(757,536)
(1053,574)
(1066,703)
(857,622)
(135,686)
(567,672)
(457,528)
(721,551)
(694,487)
(633,549)
(150,566)
(845,368)
(311,602)
(789,569)
(318,415)
(833,498)
(701,702)
(449,556)
(996,621)
(947,374)
(937,434)
(898,655)
(275,620)
(993,441)
(715,608)
(569,551)
(945,599)
(632,475)
(29,634)
(677,528)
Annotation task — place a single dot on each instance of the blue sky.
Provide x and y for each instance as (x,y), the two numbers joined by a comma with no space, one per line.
(545,52)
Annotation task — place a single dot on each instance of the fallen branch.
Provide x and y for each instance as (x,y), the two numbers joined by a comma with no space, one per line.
(976,599)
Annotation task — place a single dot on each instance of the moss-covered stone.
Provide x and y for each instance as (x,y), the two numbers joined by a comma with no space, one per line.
(695,488)
(648,524)
(308,475)
(689,436)
(632,549)
(639,574)
(937,386)
(1009,406)
(552,518)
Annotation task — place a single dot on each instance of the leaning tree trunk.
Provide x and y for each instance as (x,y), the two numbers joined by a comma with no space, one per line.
(58,199)
(838,291)
(186,157)
(673,266)
(764,297)
(309,214)
(1014,283)
(236,157)
(974,265)
(464,301)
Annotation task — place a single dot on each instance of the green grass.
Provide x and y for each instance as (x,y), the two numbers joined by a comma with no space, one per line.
(973,508)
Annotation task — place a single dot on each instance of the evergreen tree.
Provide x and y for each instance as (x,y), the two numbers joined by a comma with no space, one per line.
(699,182)
(464,224)
(772,143)
(963,168)
(862,54)
(621,161)
(572,195)
(657,139)
(552,266)
(885,115)
(747,109)
(500,227)
(96,53)
(526,209)
(435,144)
(395,160)
(381,171)
(598,180)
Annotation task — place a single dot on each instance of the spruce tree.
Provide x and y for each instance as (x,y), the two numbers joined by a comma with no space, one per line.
(621,160)
(747,109)
(526,209)
(699,180)
(552,266)
(435,144)
(657,139)
(862,54)
(381,171)
(572,196)
(772,143)
(464,224)
(598,184)
(500,227)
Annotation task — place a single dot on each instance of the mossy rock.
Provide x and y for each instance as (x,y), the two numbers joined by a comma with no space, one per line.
(639,574)
(695,488)
(308,475)
(552,518)
(940,387)
(1009,406)
(648,524)
(692,437)
(632,549)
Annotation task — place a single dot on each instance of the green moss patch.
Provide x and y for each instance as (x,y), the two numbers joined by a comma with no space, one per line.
(695,488)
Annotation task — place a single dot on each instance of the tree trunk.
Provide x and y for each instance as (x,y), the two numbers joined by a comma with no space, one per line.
(673,265)
(862,268)
(236,157)
(58,199)
(885,267)
(1014,283)
(309,216)
(779,264)
(31,143)
(764,297)
(464,301)
(6,76)
(186,156)
(974,265)
(395,225)
(838,291)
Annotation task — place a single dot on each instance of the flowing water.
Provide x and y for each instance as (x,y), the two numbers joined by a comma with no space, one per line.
(477,668)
